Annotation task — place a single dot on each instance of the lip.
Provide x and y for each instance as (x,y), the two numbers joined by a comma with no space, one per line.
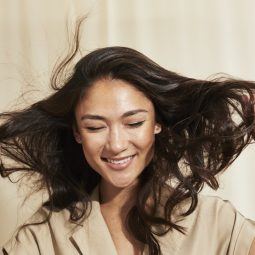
(119,166)
(119,158)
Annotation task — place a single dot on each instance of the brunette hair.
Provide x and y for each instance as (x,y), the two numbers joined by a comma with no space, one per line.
(205,125)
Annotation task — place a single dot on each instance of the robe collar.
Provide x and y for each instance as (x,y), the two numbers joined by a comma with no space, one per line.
(93,236)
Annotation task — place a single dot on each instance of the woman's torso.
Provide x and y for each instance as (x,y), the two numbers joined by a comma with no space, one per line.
(214,228)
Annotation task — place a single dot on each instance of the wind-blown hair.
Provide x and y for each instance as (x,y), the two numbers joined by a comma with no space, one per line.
(205,126)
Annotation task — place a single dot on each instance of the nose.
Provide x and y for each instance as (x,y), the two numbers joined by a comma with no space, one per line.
(117,141)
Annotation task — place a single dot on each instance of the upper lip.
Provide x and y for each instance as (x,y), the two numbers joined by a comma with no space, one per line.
(119,158)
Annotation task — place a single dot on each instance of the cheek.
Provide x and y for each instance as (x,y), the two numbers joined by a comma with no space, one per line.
(91,152)
(144,138)
(91,145)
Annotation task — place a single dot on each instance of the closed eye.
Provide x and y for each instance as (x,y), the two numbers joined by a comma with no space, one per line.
(133,125)
(136,124)
(93,128)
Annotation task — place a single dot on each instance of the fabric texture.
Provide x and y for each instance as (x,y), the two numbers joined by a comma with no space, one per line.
(214,228)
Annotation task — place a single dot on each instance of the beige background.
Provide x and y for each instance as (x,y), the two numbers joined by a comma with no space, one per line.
(197,38)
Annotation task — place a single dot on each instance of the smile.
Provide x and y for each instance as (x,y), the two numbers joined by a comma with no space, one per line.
(119,164)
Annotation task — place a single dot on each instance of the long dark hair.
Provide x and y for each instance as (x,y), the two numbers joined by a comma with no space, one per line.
(205,126)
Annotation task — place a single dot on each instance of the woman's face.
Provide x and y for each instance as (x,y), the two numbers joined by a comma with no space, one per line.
(116,127)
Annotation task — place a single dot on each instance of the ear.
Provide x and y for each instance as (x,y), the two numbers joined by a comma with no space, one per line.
(157,128)
(77,135)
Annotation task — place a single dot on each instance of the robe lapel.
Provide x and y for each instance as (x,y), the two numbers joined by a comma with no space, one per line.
(94,238)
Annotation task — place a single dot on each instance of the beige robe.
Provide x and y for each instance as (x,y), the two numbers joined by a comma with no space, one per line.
(214,228)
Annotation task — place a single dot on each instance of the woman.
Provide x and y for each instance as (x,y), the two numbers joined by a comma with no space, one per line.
(124,148)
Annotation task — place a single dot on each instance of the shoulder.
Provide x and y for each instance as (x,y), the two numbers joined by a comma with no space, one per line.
(214,227)
(43,219)
(39,233)
(216,221)
(215,207)
(222,214)
(219,210)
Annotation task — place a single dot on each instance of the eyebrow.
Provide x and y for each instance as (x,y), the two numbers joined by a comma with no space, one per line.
(98,117)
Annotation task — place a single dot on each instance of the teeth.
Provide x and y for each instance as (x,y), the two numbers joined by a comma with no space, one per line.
(119,161)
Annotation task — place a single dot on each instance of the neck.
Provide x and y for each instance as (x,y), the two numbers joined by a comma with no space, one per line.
(114,198)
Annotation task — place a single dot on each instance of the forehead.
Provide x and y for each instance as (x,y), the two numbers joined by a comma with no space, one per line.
(112,96)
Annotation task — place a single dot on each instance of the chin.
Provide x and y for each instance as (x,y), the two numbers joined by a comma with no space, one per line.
(125,184)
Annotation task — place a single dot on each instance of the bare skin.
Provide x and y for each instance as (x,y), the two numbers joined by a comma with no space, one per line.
(114,209)
(252,249)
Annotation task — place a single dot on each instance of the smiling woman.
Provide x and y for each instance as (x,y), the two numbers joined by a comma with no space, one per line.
(122,137)
(123,148)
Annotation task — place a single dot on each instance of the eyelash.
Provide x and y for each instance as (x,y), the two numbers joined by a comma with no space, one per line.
(132,125)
